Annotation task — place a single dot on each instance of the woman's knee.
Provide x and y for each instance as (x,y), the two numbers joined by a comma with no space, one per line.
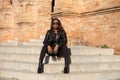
(64,47)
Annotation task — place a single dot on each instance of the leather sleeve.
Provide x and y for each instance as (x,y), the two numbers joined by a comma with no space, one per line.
(46,40)
(63,41)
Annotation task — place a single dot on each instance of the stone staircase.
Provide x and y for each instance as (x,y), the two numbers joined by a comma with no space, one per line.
(88,63)
(31,42)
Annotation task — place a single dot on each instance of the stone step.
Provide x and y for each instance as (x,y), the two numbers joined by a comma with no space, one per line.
(32,43)
(36,50)
(14,41)
(10,42)
(74,58)
(37,40)
(87,59)
(83,67)
(58,68)
(97,75)
(3,78)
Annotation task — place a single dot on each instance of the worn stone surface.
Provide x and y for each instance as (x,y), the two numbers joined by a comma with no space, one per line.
(80,6)
(24,19)
(2,78)
(97,28)
(102,29)
(30,19)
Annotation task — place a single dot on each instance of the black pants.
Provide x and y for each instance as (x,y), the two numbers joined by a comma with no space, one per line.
(63,51)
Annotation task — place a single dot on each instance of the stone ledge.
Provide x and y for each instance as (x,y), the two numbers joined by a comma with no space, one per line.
(101,75)
(5,9)
(4,28)
(26,23)
(86,14)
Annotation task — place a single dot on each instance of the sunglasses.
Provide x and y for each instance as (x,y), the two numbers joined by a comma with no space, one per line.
(55,23)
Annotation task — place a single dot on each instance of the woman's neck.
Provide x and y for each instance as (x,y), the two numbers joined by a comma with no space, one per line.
(55,30)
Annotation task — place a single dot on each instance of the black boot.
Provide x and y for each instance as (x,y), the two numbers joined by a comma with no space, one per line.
(66,68)
(40,67)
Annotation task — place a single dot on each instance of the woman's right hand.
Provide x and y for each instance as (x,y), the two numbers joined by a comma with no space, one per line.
(49,49)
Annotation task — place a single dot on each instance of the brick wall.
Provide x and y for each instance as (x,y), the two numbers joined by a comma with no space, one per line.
(87,22)
(91,23)
(102,29)
(80,6)
(24,19)
(7,30)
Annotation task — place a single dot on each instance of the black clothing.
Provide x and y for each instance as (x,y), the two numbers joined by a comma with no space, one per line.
(63,51)
(53,39)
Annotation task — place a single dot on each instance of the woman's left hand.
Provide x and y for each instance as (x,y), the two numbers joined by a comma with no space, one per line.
(56,49)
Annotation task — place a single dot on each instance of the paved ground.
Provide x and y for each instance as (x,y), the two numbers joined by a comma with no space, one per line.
(2,78)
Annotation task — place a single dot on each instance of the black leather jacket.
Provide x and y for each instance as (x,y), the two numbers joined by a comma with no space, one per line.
(50,39)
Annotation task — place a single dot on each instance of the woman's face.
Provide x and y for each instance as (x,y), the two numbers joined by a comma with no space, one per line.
(55,24)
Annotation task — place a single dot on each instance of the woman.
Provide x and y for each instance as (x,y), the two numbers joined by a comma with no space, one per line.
(55,45)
